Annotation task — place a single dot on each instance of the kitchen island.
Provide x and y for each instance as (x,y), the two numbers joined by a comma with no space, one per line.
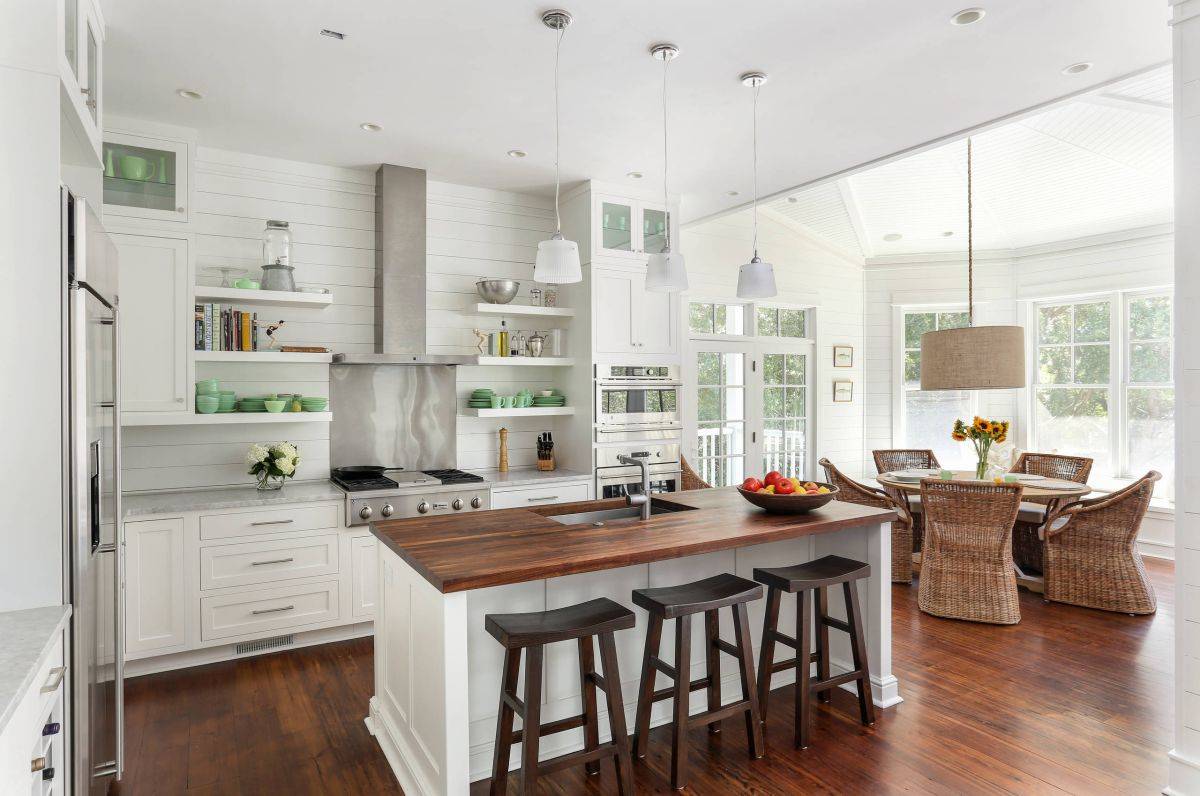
(437,671)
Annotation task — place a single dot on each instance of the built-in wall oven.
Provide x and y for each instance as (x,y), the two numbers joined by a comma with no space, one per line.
(637,402)
(615,479)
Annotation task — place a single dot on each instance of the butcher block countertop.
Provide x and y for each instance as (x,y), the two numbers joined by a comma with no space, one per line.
(471,551)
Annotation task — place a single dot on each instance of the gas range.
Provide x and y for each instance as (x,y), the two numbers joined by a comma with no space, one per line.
(397,495)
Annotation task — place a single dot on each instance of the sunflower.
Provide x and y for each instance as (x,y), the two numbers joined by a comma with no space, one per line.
(980,424)
(958,437)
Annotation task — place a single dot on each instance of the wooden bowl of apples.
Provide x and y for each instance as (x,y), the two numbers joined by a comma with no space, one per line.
(786,495)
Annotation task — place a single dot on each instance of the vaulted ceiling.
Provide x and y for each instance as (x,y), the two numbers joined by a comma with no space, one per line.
(1095,164)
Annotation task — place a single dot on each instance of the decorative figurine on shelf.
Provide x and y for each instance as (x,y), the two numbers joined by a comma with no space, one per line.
(481,340)
(272,327)
(503,466)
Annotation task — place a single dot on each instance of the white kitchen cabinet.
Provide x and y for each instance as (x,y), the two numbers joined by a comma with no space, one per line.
(157,322)
(155,594)
(81,70)
(519,497)
(364,577)
(628,228)
(145,177)
(631,320)
(21,740)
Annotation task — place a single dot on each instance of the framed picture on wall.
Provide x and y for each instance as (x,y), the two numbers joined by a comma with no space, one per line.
(843,392)
(843,356)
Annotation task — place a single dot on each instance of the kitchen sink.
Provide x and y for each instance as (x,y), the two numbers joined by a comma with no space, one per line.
(603,516)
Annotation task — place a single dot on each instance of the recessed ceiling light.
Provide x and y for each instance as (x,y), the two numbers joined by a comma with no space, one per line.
(968,16)
(515,153)
(191,94)
(892,237)
(1079,68)
(634,175)
(793,199)
(731,193)
(333,34)
(371,127)
(948,233)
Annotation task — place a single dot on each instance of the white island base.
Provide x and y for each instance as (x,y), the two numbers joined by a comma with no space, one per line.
(437,671)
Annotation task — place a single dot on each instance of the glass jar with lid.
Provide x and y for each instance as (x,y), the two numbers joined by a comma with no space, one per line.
(277,244)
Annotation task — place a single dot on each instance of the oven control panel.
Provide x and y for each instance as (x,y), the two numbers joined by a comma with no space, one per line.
(364,511)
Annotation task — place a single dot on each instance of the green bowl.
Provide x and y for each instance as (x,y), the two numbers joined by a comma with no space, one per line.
(206,404)
(275,406)
(207,387)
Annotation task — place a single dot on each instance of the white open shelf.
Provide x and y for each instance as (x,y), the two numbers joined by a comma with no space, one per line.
(532,411)
(260,356)
(544,362)
(261,298)
(220,418)
(523,310)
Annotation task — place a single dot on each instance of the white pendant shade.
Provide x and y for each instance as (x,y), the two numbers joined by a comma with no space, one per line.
(756,280)
(557,262)
(973,358)
(665,273)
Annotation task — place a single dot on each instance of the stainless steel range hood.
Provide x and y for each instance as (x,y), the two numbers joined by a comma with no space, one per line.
(400,322)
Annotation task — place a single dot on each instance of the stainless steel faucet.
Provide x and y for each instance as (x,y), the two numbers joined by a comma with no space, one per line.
(642,500)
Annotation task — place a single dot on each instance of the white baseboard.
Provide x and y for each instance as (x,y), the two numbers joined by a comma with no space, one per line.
(389,741)
(1183,775)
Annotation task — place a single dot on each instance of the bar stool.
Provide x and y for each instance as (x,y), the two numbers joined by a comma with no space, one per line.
(531,632)
(806,581)
(680,603)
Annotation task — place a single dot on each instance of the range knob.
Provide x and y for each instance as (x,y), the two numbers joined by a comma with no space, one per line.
(387,510)
(457,504)
(365,512)
(422,507)
(476,502)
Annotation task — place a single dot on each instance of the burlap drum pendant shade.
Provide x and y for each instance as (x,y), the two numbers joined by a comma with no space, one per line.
(973,358)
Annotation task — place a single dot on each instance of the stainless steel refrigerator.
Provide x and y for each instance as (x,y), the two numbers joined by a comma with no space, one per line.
(94,537)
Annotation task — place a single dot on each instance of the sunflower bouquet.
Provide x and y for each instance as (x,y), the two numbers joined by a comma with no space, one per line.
(982,433)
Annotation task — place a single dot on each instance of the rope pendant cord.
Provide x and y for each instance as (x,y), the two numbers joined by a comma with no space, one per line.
(666,62)
(557,49)
(970,243)
(754,149)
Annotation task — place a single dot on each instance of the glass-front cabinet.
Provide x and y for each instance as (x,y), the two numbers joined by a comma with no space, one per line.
(145,177)
(628,228)
(81,70)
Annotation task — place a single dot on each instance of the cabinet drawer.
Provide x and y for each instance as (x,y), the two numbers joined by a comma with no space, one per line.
(282,607)
(266,562)
(251,523)
(539,495)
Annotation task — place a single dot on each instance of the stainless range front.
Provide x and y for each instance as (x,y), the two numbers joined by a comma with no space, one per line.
(365,508)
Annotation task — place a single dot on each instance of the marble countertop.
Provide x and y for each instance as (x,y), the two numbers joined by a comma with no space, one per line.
(29,636)
(230,497)
(529,476)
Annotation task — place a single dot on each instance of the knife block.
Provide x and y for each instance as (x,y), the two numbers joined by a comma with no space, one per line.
(546,464)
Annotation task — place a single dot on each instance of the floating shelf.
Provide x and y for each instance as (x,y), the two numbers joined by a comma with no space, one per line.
(260,356)
(262,298)
(522,362)
(220,418)
(523,310)
(531,411)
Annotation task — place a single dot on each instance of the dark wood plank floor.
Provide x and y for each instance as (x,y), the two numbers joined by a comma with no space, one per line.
(1068,700)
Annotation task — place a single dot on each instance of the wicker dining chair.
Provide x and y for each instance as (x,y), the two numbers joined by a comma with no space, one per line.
(1091,551)
(966,568)
(689,478)
(891,459)
(1028,531)
(852,491)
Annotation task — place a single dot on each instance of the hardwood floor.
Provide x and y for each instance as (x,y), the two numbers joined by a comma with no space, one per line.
(1069,700)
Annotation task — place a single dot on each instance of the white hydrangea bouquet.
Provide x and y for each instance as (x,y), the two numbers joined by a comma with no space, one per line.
(272,463)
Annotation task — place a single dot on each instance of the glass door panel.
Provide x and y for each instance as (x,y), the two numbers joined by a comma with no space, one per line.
(654,230)
(140,177)
(71,36)
(616,226)
(721,417)
(93,73)
(785,413)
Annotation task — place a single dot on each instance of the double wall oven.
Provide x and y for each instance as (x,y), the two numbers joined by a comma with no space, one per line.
(638,415)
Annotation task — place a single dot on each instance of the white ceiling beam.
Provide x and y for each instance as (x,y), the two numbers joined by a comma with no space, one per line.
(1135,104)
(850,202)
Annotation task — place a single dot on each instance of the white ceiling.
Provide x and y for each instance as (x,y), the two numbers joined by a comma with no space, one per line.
(1095,164)
(457,84)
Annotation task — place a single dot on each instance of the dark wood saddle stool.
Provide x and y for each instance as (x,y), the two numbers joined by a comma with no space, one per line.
(531,632)
(806,581)
(706,596)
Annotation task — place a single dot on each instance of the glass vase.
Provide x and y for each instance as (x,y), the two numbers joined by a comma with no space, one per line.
(268,482)
(981,468)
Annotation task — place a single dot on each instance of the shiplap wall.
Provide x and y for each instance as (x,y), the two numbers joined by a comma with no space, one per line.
(807,272)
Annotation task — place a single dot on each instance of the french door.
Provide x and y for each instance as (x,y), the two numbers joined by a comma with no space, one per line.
(749,409)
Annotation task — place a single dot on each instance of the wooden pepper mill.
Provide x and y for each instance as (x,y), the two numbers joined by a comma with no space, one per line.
(503,467)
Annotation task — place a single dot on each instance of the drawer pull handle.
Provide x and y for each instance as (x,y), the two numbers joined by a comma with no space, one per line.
(287,560)
(37,764)
(544,497)
(271,522)
(55,679)
(273,610)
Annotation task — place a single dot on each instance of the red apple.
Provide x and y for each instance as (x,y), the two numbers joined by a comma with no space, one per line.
(773,477)
(784,487)
(752,484)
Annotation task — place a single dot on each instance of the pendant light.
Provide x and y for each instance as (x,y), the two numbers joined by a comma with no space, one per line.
(756,279)
(974,357)
(557,261)
(665,271)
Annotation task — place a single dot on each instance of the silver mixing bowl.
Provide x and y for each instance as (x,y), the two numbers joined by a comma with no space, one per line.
(497,291)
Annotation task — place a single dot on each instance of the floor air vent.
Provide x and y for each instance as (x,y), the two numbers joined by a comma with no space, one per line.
(265,644)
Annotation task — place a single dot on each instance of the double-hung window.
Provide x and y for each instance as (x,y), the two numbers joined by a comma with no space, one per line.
(924,419)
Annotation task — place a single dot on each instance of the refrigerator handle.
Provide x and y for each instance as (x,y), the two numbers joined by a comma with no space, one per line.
(119,539)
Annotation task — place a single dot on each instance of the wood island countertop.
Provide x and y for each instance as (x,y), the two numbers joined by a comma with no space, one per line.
(457,552)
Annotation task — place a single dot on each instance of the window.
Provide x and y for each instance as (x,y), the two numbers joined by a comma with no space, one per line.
(782,322)
(721,416)
(785,413)
(1104,384)
(927,417)
(716,318)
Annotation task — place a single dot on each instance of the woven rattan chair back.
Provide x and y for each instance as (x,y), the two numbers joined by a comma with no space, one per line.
(851,491)
(1053,465)
(690,478)
(890,460)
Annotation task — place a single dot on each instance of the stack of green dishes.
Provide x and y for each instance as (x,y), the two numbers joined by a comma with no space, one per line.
(558,399)
(481,398)
(227,401)
(314,404)
(249,404)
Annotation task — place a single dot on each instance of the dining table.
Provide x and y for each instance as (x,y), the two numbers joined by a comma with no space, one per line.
(1052,493)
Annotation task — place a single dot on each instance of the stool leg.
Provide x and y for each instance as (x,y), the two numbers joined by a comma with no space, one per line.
(766,653)
(591,729)
(858,649)
(679,725)
(504,724)
(803,666)
(712,632)
(641,724)
(754,728)
(533,719)
(616,713)
(822,611)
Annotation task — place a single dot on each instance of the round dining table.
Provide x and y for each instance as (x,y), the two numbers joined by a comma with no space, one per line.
(1049,488)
